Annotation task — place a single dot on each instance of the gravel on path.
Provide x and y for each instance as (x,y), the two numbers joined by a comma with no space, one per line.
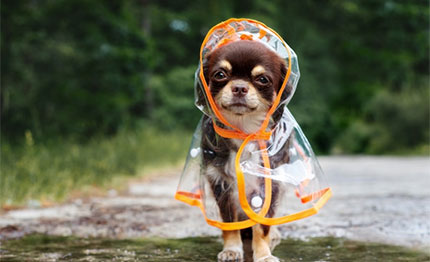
(378,199)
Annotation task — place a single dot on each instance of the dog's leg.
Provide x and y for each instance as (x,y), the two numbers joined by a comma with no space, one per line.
(233,247)
(261,244)
(233,250)
(275,237)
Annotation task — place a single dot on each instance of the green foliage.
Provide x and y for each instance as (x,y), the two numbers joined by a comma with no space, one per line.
(76,74)
(410,125)
(84,68)
(70,67)
(175,99)
(35,247)
(394,122)
(52,170)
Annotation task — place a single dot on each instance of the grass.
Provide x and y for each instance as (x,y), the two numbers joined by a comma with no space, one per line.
(51,171)
(50,248)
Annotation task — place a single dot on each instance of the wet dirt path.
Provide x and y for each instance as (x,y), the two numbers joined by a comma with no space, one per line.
(378,199)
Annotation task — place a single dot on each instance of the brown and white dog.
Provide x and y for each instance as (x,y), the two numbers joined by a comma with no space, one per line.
(244,78)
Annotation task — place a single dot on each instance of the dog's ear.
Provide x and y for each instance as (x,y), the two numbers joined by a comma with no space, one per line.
(288,88)
(201,97)
(287,92)
(206,67)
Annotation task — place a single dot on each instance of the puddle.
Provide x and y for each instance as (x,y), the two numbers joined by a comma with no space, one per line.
(50,248)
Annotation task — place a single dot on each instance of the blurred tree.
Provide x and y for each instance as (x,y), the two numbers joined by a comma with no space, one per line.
(351,53)
(384,55)
(175,98)
(88,67)
(147,73)
(70,67)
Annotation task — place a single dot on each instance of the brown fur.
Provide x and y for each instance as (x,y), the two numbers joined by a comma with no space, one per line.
(242,64)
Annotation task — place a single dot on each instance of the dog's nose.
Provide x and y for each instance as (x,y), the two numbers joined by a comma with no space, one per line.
(239,90)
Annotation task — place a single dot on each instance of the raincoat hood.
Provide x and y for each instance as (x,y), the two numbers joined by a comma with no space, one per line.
(298,181)
(234,30)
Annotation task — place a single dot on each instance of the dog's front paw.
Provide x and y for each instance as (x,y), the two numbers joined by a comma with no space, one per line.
(275,238)
(230,255)
(267,259)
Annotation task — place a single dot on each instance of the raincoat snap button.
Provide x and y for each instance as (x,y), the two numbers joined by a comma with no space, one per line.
(194,152)
(256,201)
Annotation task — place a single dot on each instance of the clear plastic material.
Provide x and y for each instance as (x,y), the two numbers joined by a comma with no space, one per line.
(244,29)
(274,177)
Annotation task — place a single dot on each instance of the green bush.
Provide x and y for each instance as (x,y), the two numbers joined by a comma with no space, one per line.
(174,97)
(402,119)
(52,170)
(71,68)
(395,122)
(87,68)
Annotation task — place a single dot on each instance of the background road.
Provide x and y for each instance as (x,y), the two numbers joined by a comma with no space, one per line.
(378,199)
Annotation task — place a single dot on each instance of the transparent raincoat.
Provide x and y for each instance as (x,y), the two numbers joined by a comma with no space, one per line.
(298,182)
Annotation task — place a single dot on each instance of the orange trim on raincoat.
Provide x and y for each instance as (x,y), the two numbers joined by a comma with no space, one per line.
(261,135)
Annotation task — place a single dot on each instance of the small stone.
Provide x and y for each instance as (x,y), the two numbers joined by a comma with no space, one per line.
(112,193)
(32,203)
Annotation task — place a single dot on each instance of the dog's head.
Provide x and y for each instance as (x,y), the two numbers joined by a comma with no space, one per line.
(244,78)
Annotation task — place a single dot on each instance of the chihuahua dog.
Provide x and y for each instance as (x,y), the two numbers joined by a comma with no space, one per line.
(244,78)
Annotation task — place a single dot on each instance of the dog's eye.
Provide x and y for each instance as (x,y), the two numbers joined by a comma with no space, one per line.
(220,75)
(263,80)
